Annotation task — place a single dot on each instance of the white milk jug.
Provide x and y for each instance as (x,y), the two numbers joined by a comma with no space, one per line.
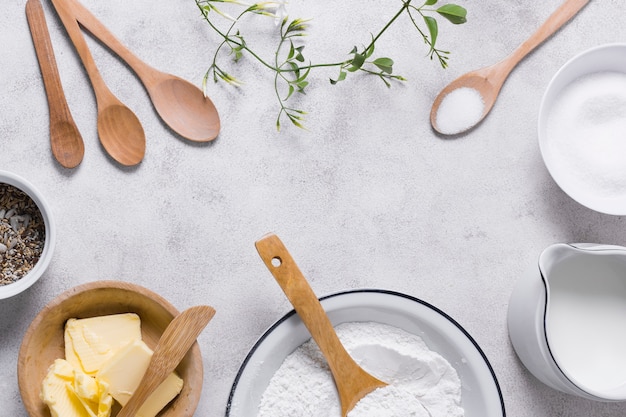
(567,320)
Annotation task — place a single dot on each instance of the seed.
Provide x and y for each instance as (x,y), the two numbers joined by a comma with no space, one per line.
(22,234)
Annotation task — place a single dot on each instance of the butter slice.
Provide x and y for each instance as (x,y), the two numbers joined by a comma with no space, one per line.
(90,342)
(124,371)
(70,393)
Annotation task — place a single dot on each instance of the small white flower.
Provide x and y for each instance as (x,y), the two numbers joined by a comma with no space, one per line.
(281,12)
(275,8)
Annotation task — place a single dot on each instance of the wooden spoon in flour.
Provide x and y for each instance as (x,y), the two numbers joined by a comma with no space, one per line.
(352,382)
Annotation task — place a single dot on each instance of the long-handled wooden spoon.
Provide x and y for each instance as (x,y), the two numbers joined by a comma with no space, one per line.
(489,80)
(65,140)
(180,104)
(353,383)
(173,345)
(120,132)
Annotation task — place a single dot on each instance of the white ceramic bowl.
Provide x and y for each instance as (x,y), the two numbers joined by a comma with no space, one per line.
(35,273)
(577,172)
(481,395)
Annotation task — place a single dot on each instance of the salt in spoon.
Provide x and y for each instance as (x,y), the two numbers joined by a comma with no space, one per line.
(180,104)
(353,383)
(119,130)
(66,141)
(173,345)
(489,80)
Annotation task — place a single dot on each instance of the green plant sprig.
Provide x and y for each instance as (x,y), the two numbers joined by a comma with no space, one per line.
(290,67)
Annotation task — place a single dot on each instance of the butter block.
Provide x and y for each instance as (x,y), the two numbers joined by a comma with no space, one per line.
(124,371)
(90,342)
(70,393)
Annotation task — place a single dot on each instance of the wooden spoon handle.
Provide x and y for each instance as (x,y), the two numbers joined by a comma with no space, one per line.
(64,11)
(301,295)
(57,103)
(558,18)
(173,345)
(95,26)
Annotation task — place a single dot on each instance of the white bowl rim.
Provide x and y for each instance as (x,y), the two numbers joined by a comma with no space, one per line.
(612,206)
(392,293)
(14,288)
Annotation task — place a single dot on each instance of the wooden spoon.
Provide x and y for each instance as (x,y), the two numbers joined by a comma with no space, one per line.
(181,105)
(65,140)
(173,345)
(120,132)
(352,382)
(489,80)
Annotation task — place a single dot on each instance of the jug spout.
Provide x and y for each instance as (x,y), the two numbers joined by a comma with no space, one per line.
(560,252)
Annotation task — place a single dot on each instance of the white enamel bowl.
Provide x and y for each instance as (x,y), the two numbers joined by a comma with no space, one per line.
(564,167)
(37,271)
(481,395)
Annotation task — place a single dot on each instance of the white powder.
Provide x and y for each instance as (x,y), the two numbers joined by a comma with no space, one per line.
(459,110)
(586,131)
(421,382)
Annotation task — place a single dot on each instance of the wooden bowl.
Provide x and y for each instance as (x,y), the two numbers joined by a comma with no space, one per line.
(44,342)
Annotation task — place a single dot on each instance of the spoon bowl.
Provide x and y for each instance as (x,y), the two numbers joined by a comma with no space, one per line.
(180,104)
(487,82)
(67,143)
(121,130)
(352,382)
(184,108)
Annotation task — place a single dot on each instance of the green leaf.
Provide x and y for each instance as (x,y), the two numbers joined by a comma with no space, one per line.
(299,56)
(455,14)
(291,90)
(342,76)
(384,64)
(357,62)
(292,51)
(303,76)
(431,23)
(430,2)
(301,86)
(370,50)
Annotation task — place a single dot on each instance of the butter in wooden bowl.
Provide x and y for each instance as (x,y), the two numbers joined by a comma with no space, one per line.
(87,350)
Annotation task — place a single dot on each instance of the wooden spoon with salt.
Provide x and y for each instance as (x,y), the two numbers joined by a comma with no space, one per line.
(173,345)
(488,81)
(353,383)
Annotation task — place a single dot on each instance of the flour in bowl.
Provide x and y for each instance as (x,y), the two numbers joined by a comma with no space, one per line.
(421,382)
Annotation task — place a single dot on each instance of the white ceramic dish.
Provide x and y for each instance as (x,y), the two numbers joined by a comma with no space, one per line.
(33,276)
(604,58)
(481,395)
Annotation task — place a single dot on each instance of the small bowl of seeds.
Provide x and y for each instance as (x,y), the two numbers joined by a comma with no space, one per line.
(27,234)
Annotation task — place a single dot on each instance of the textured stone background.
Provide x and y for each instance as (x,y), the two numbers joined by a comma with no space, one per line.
(368,196)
